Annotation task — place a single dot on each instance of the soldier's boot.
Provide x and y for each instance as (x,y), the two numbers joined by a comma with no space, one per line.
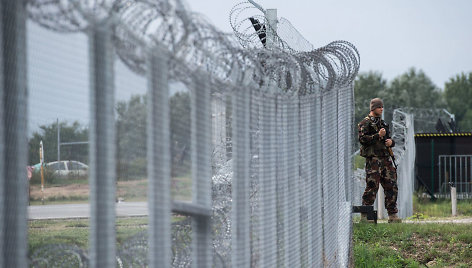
(364,219)
(393,218)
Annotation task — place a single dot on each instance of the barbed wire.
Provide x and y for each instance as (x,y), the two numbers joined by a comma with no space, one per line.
(335,63)
(427,119)
(194,42)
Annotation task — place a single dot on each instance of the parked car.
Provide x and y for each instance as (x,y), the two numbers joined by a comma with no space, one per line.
(65,168)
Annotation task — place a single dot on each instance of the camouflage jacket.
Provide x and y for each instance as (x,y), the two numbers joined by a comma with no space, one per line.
(371,143)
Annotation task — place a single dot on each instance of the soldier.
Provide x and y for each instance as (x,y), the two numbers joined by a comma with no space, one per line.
(375,140)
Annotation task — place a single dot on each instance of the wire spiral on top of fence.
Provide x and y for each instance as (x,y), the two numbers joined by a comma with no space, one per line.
(191,39)
(285,101)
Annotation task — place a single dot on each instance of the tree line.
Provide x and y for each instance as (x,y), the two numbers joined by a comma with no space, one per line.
(414,89)
(411,89)
(131,138)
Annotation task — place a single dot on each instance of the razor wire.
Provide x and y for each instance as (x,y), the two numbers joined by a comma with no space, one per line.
(298,102)
(426,120)
(403,133)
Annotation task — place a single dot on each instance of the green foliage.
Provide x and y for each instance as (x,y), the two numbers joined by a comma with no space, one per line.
(359,162)
(48,134)
(458,95)
(366,87)
(48,176)
(411,89)
(131,136)
(180,133)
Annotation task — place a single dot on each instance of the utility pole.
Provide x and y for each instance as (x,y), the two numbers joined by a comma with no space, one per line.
(58,141)
(41,161)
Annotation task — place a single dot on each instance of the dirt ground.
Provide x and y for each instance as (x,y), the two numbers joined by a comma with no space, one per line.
(67,191)
(81,191)
(135,190)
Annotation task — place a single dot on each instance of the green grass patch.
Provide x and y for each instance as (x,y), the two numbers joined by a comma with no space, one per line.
(359,162)
(417,245)
(424,207)
(412,245)
(76,231)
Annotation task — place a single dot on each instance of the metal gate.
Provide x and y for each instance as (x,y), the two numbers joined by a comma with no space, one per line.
(457,170)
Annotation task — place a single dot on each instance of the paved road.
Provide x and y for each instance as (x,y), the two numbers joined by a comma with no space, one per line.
(83,210)
(128,209)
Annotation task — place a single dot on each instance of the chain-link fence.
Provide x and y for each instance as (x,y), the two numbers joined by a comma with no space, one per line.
(241,150)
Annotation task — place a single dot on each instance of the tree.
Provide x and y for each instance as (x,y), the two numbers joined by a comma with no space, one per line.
(180,133)
(366,87)
(411,89)
(132,136)
(458,95)
(48,134)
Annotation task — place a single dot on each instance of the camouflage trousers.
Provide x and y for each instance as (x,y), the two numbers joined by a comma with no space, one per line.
(381,170)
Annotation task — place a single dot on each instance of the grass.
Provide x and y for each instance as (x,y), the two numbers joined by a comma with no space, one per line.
(412,245)
(417,245)
(76,231)
(423,206)
(359,162)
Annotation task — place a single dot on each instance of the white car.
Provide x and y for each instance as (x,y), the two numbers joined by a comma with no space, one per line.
(66,168)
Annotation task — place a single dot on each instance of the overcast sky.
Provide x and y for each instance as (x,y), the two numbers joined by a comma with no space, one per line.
(391,36)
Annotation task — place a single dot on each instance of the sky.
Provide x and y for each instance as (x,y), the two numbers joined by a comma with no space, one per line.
(391,36)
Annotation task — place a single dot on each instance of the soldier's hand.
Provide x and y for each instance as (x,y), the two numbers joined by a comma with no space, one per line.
(382,132)
(388,142)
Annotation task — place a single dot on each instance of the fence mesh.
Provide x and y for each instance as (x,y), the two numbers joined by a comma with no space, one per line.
(232,152)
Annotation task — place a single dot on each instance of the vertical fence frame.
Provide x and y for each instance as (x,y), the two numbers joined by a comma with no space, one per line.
(102,168)
(13,148)
(201,144)
(293,179)
(267,186)
(307,160)
(158,142)
(240,234)
(316,191)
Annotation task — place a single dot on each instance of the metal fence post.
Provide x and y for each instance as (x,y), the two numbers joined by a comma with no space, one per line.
(268,224)
(316,191)
(283,227)
(240,234)
(2,142)
(307,161)
(158,151)
(330,175)
(13,145)
(201,124)
(102,169)
(293,179)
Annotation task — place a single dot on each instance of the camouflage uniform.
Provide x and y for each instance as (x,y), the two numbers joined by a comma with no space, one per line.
(379,167)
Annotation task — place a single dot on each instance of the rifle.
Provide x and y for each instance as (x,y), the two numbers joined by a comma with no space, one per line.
(389,149)
(390,152)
